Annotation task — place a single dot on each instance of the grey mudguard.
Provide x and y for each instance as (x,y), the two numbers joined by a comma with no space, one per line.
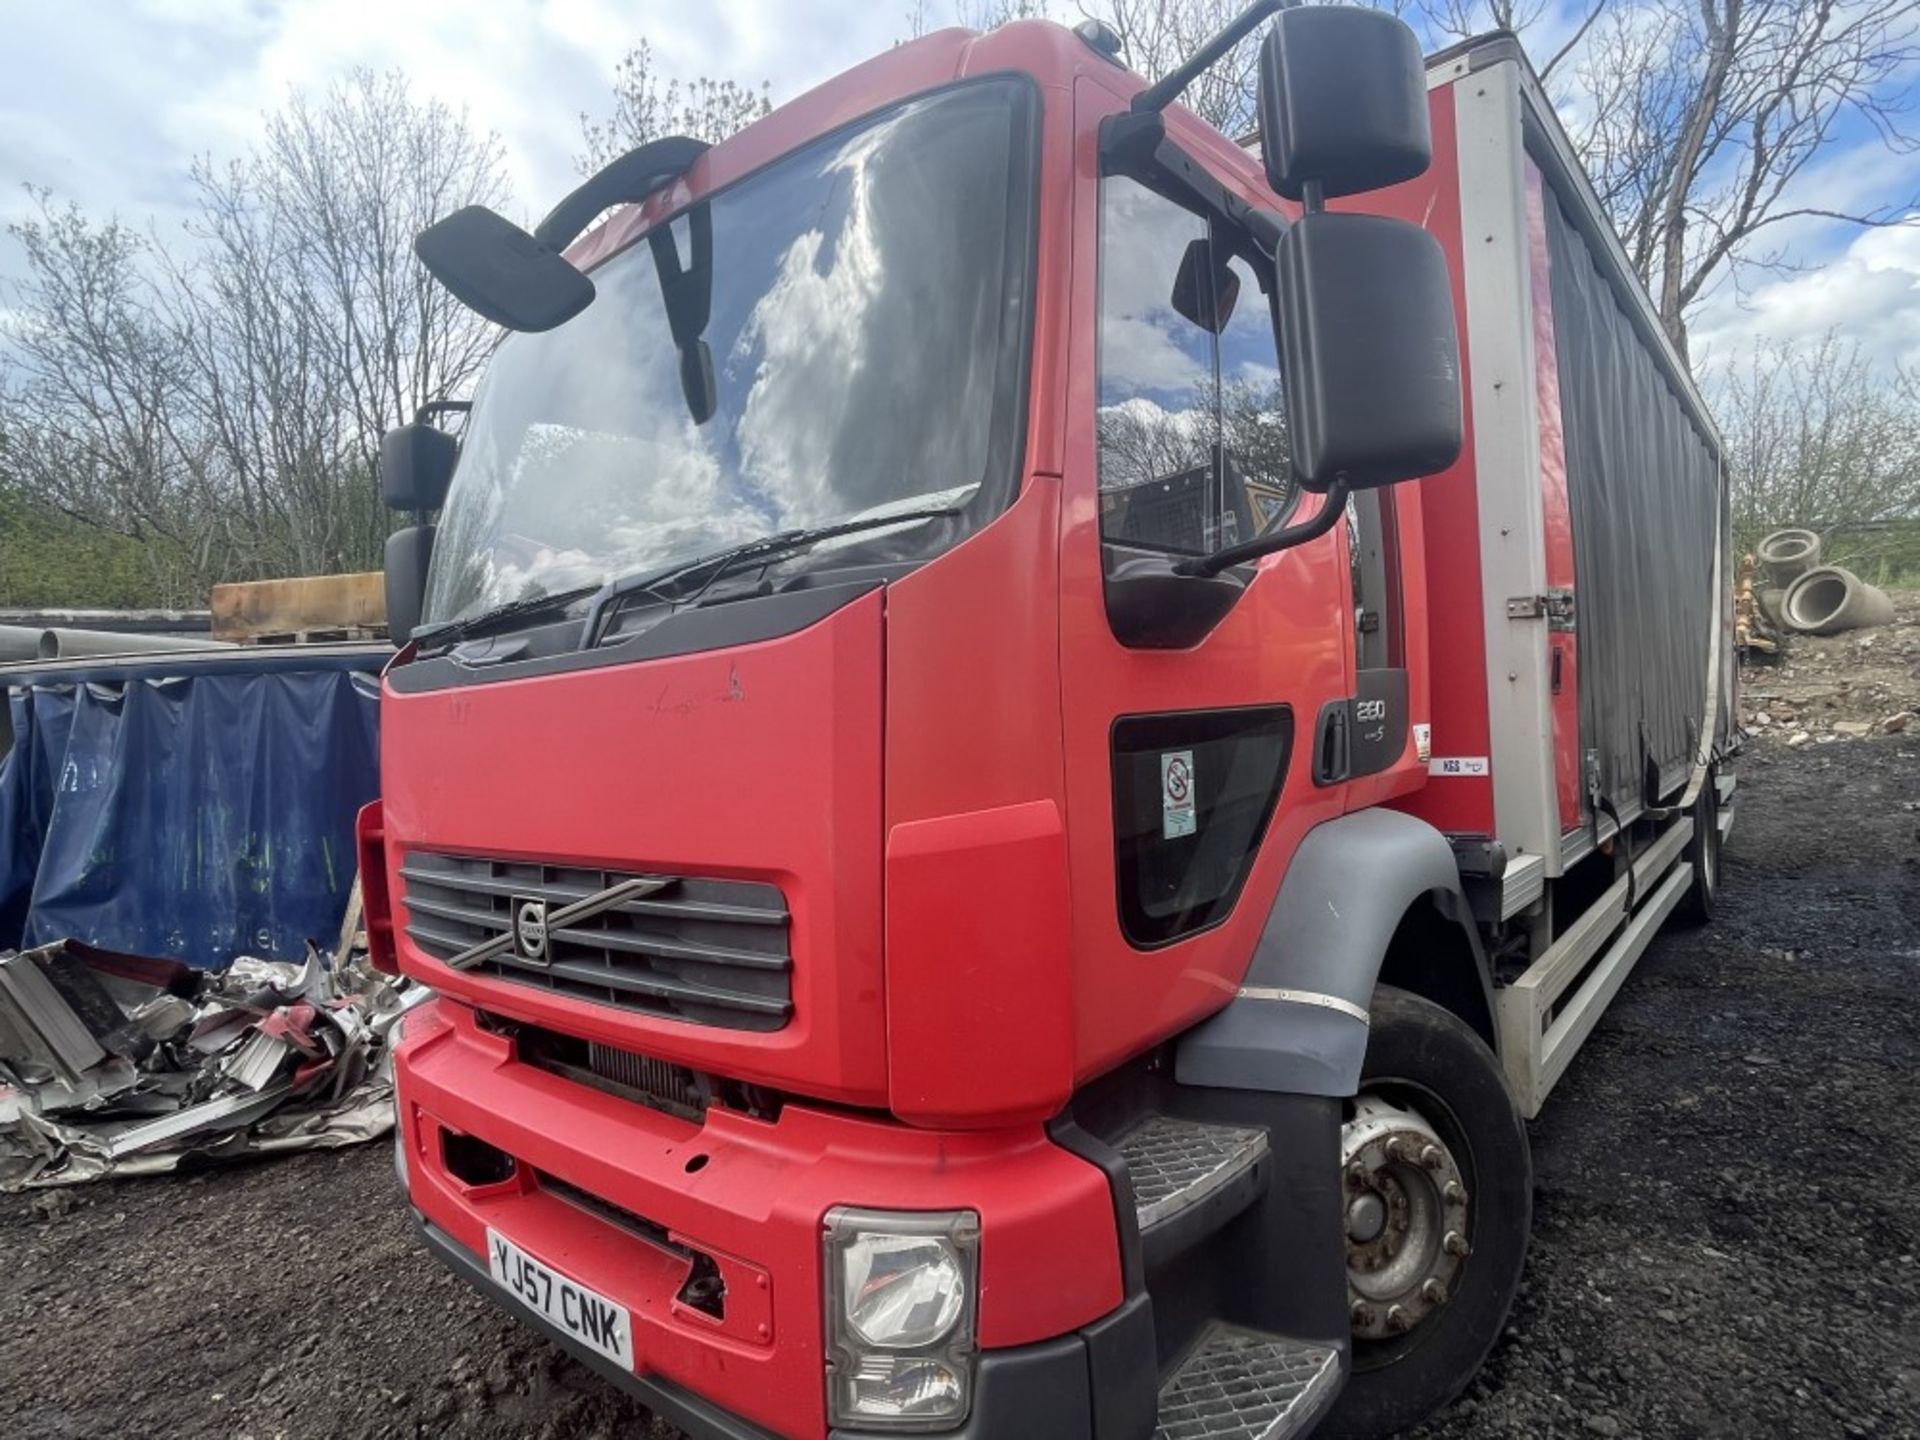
(1299,1022)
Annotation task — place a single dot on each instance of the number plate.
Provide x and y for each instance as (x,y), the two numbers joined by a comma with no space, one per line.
(595,1321)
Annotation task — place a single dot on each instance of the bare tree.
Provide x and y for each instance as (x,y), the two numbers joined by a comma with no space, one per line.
(267,378)
(648,105)
(1461,19)
(221,399)
(1159,34)
(1156,35)
(91,401)
(1816,438)
(1707,117)
(347,184)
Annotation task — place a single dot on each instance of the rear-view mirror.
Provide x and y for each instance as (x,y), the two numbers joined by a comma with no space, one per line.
(1342,102)
(416,466)
(1205,290)
(501,272)
(408,552)
(1369,350)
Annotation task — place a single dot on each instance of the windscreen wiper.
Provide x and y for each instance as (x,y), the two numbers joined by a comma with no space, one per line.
(614,594)
(450,631)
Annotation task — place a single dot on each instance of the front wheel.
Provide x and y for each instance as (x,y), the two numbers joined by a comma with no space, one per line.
(1439,1199)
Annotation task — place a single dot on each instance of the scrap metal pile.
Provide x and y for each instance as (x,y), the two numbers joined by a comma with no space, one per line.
(120,1064)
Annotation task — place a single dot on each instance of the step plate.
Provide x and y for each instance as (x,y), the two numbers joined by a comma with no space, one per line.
(1243,1385)
(1178,1163)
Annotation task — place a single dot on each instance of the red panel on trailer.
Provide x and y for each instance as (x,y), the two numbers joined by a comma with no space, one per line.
(1459,801)
(1563,652)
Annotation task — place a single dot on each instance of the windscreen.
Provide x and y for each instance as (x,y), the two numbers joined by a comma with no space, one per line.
(862,303)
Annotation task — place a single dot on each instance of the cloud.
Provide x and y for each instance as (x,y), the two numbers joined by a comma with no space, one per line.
(112,107)
(1871,294)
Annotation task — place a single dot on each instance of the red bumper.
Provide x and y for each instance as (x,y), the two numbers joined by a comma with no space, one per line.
(750,1194)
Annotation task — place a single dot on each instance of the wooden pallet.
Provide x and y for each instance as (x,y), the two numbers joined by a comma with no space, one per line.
(305,609)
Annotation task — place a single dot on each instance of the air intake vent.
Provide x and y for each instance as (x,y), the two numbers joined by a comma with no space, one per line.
(714,952)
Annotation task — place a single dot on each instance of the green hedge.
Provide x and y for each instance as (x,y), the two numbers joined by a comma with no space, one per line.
(49,560)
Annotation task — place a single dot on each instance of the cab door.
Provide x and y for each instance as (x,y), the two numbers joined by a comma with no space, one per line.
(1190,771)
(1387,716)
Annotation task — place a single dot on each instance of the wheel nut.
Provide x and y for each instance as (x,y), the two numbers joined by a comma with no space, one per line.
(1455,1192)
(1397,1150)
(1431,1157)
(1356,1175)
(1455,1243)
(1363,1315)
(1435,1292)
(1397,1318)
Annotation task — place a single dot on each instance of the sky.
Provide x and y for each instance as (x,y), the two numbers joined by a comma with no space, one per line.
(108,103)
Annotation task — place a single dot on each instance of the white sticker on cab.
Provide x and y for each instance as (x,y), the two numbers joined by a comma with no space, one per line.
(1176,794)
(1458,765)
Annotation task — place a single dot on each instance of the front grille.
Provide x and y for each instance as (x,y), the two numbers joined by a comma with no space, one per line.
(672,1088)
(714,952)
(658,1084)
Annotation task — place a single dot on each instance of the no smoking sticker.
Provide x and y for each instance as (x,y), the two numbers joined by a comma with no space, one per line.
(1176,794)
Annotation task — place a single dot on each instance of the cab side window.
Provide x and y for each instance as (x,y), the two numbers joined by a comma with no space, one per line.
(1191,425)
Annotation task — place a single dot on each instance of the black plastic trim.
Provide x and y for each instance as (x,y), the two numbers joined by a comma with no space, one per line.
(1281,1264)
(629,179)
(1274,1258)
(685,632)
(1065,1132)
(1173,729)
(1376,744)
(1332,749)
(1121,1371)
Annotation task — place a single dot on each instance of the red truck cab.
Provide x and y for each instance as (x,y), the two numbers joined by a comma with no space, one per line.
(914,780)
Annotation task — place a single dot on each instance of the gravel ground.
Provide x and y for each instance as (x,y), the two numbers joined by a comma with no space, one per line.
(1725,1231)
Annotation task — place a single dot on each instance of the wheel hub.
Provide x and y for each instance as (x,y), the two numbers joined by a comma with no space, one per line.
(1406,1211)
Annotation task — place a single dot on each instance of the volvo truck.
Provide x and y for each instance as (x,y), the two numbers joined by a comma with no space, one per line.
(1026,735)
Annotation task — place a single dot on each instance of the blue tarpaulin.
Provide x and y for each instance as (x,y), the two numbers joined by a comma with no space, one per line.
(197,809)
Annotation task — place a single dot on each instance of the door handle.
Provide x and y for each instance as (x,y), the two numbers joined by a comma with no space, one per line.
(1332,750)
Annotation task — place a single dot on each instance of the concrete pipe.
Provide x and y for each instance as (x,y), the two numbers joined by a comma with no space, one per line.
(1769,601)
(1828,600)
(61,644)
(19,642)
(1786,555)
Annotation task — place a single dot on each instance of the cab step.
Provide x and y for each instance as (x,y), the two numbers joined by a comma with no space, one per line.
(1190,1177)
(1241,1384)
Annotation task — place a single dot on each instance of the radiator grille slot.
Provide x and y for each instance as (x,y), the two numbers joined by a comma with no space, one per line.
(714,952)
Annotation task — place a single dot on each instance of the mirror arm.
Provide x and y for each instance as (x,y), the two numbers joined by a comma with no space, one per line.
(633,177)
(432,408)
(1168,88)
(1136,145)
(1328,516)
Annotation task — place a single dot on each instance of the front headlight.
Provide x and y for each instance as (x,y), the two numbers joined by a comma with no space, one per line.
(900,1301)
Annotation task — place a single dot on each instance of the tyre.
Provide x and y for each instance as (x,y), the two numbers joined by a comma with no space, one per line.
(1703,853)
(1439,1188)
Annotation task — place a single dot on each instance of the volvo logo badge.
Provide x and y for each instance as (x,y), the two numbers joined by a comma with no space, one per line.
(530,929)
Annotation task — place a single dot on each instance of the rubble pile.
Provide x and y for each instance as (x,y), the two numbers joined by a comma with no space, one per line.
(1842,687)
(122,1064)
